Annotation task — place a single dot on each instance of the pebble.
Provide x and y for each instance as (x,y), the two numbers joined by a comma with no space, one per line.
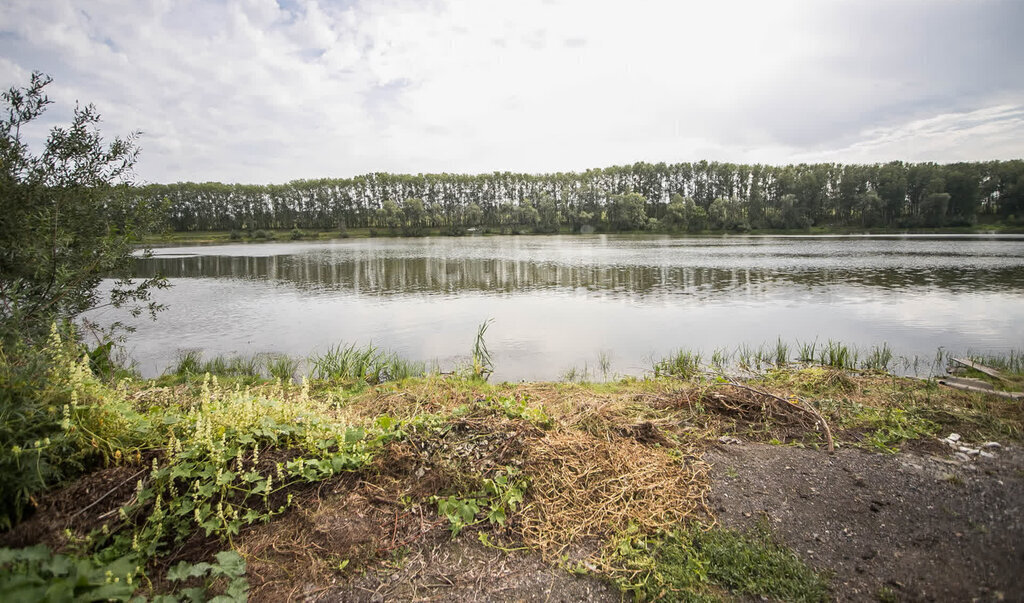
(953,437)
(991,445)
(962,457)
(730,440)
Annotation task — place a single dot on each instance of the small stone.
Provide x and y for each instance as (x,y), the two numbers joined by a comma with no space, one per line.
(953,437)
(986,455)
(969,451)
(729,440)
(991,445)
(962,457)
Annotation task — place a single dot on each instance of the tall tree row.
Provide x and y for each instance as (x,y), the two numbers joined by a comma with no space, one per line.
(671,197)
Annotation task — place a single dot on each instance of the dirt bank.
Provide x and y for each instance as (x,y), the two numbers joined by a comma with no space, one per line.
(906,526)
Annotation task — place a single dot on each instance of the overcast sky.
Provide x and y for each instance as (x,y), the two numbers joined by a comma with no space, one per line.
(269,91)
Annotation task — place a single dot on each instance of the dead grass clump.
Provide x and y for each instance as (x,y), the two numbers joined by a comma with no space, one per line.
(584,486)
(752,411)
(344,527)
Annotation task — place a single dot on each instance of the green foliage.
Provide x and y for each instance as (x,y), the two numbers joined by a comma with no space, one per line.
(888,428)
(695,563)
(519,407)
(230,566)
(498,498)
(36,574)
(212,478)
(69,219)
(56,419)
(626,212)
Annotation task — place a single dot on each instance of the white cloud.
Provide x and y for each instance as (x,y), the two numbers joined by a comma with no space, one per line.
(261,91)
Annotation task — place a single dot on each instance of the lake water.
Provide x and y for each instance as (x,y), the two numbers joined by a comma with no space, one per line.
(563,301)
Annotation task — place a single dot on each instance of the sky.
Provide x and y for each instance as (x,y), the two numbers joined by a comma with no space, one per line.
(268,91)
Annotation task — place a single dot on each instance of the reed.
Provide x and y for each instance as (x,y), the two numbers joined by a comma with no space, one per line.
(878,359)
(483,364)
(367,364)
(281,366)
(683,364)
(781,353)
(806,351)
(838,355)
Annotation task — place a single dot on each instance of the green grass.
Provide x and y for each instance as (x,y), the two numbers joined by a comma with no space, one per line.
(366,364)
(281,366)
(682,364)
(698,564)
(190,364)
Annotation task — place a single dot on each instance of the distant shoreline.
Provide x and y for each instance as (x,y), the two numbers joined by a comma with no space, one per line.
(224,236)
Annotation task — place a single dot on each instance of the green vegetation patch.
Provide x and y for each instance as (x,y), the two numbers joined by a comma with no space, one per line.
(699,563)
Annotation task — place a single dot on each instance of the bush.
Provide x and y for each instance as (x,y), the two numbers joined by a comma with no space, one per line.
(56,419)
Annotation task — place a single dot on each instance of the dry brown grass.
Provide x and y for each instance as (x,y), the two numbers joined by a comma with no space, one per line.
(584,486)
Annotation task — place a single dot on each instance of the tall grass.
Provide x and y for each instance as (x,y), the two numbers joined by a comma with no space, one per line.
(281,366)
(604,362)
(781,353)
(368,364)
(190,363)
(878,358)
(806,351)
(483,364)
(838,355)
(683,364)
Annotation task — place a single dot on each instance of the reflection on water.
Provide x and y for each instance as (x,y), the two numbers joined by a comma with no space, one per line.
(401,276)
(641,266)
(558,301)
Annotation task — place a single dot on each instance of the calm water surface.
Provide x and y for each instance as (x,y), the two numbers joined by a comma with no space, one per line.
(559,302)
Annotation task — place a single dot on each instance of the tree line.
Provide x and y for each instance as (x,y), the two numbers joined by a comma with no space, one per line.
(681,197)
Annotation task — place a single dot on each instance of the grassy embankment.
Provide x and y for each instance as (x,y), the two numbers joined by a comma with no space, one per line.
(222,236)
(238,479)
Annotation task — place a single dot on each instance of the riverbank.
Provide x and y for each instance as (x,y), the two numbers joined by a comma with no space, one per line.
(447,487)
(223,236)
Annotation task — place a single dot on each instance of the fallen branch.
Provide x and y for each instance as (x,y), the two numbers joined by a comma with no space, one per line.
(808,409)
(109,492)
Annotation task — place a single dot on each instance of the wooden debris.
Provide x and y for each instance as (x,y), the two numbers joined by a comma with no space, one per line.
(981,368)
(971,388)
(969,382)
